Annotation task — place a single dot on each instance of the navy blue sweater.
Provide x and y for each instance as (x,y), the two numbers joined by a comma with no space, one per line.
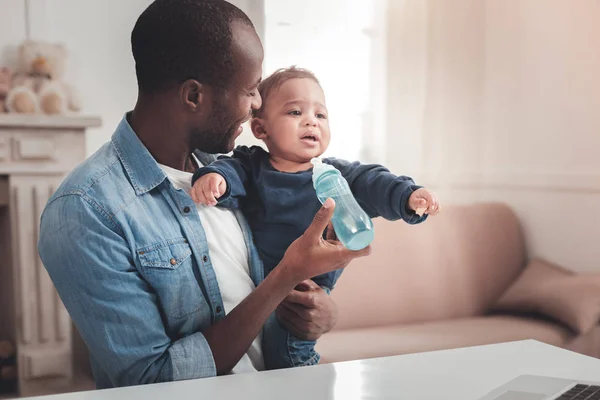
(280,206)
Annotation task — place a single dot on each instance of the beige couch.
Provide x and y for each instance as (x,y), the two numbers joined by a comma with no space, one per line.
(460,279)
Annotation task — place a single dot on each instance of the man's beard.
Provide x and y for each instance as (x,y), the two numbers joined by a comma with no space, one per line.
(214,140)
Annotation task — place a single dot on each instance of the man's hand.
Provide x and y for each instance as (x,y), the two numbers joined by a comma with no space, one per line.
(422,201)
(311,255)
(308,312)
(208,188)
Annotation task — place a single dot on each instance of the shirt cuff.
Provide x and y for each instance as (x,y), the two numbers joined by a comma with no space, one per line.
(412,217)
(191,357)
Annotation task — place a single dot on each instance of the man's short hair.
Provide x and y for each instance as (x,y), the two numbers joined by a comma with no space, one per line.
(278,78)
(177,40)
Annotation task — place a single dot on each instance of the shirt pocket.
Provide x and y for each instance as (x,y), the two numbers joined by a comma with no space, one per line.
(168,267)
(168,255)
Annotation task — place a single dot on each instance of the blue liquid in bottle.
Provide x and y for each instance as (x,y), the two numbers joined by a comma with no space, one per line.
(352,225)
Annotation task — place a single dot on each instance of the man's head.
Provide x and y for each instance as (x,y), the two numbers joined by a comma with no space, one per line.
(293,119)
(202,59)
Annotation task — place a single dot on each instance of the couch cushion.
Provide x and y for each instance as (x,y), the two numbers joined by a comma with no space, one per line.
(551,291)
(357,344)
(455,264)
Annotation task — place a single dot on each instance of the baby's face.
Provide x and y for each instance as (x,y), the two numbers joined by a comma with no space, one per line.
(296,122)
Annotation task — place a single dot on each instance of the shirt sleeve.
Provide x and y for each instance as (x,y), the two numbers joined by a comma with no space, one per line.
(378,191)
(237,172)
(113,307)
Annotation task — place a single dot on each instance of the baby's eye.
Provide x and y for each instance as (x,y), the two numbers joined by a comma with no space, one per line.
(295,112)
(321,116)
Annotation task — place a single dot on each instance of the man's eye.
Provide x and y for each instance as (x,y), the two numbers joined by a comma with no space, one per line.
(295,112)
(252,94)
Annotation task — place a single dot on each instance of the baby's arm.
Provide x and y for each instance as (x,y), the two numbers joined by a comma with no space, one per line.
(378,191)
(224,181)
(208,188)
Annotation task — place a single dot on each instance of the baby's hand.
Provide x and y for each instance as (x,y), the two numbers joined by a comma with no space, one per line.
(208,188)
(422,201)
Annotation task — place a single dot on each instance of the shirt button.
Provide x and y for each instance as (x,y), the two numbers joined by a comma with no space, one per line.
(186,209)
(205,258)
(219,309)
(173,261)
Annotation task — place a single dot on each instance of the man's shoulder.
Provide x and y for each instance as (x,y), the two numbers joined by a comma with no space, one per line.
(101,178)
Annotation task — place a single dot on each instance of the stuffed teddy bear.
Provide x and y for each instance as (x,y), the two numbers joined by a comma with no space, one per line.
(5,83)
(37,85)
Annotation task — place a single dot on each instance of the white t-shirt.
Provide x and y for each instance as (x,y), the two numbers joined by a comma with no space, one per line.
(229,257)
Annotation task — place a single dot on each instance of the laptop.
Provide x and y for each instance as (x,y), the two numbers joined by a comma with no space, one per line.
(533,387)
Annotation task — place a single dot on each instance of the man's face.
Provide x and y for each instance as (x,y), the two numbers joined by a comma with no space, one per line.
(231,106)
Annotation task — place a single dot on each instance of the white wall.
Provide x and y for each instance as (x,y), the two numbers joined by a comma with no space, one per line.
(506,106)
(101,65)
(407,75)
(12,28)
(342,45)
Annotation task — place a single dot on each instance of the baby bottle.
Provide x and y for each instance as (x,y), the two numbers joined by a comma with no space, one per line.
(353,226)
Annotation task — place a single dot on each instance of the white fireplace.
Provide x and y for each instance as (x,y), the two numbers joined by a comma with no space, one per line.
(36,152)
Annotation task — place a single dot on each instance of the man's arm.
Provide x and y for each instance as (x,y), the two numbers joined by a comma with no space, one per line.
(378,191)
(112,306)
(118,315)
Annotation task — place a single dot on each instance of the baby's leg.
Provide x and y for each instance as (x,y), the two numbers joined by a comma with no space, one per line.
(281,349)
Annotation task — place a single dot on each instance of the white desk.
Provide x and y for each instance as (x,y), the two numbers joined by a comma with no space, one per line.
(459,374)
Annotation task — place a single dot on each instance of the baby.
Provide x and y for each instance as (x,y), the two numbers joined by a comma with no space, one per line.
(275,191)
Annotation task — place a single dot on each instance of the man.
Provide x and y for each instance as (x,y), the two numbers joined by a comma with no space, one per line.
(159,288)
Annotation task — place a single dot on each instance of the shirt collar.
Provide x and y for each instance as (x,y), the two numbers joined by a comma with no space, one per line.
(142,169)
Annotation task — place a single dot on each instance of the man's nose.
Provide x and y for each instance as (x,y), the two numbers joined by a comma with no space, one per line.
(256,102)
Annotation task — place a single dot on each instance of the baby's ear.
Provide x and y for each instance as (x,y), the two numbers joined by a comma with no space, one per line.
(258,128)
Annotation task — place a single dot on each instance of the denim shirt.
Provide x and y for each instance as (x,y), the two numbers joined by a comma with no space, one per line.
(130,261)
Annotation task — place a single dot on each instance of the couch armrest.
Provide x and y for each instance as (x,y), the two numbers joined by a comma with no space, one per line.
(551,291)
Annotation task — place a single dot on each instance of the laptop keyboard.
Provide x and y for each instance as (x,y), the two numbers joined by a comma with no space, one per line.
(581,392)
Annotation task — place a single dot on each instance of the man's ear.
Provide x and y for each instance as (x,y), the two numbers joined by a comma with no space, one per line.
(191,94)
(258,128)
